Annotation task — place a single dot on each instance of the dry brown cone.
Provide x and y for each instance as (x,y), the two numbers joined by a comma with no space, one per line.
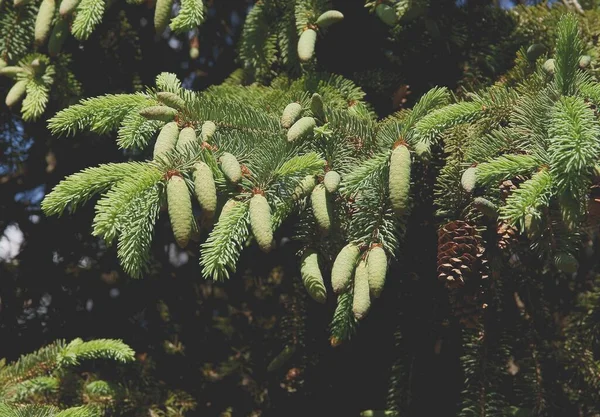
(507,236)
(459,254)
(506,188)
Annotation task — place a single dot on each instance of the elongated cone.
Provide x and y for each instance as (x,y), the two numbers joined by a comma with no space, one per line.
(312,277)
(59,34)
(43,21)
(306,45)
(321,208)
(162,113)
(167,138)
(227,207)
(180,210)
(332,181)
(301,129)
(377,265)
(343,267)
(317,107)
(67,7)
(387,14)
(231,167)
(535,51)
(399,179)
(261,222)
(486,207)
(208,130)
(329,18)
(16,93)
(11,71)
(361,303)
(187,137)
(205,189)
(171,100)
(305,187)
(291,113)
(469,179)
(280,360)
(162,12)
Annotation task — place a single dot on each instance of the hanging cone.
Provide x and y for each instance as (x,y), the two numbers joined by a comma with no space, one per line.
(459,253)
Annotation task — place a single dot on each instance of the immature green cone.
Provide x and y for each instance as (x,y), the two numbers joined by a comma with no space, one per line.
(231,167)
(162,13)
(535,51)
(329,18)
(205,189)
(187,137)
(301,129)
(305,187)
(585,61)
(317,107)
(332,181)
(16,93)
(306,45)
(532,226)
(362,300)
(11,71)
(379,413)
(321,207)
(180,210)
(208,130)
(399,179)
(261,222)
(59,34)
(387,14)
(227,207)
(549,66)
(312,277)
(279,360)
(468,181)
(377,267)
(67,7)
(422,149)
(171,99)
(162,113)
(43,21)
(565,262)
(291,113)
(167,138)
(19,3)
(194,52)
(486,207)
(343,267)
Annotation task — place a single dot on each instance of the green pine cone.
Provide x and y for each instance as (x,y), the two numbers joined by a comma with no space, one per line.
(379,413)
(387,14)
(468,181)
(317,107)
(187,137)
(585,61)
(312,277)
(180,210)
(231,167)
(162,113)
(343,267)
(11,71)
(205,189)
(59,34)
(227,207)
(332,181)
(422,149)
(565,262)
(301,129)
(291,113)
(305,187)
(167,138)
(549,66)
(329,18)
(532,226)
(399,179)
(284,356)
(43,21)
(171,99)
(67,7)
(321,208)
(535,51)
(19,3)
(377,266)
(362,300)
(306,45)
(208,130)
(261,222)
(162,13)
(486,207)
(16,93)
